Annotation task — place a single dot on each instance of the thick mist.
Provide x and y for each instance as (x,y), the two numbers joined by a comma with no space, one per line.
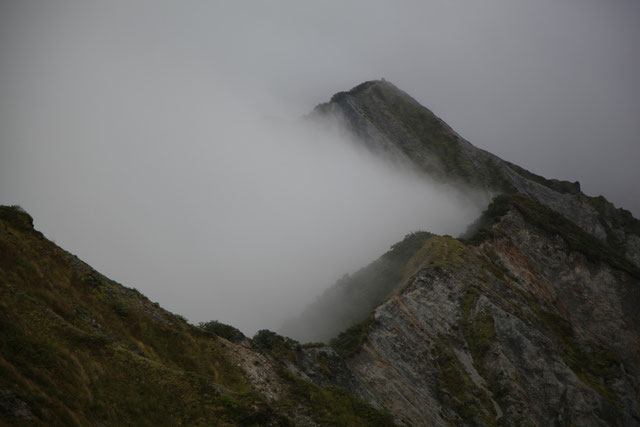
(198,191)
(219,212)
(160,141)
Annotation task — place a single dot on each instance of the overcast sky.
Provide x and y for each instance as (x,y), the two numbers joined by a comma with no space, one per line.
(157,140)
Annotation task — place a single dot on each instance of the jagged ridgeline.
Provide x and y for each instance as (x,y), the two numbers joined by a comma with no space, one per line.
(529,318)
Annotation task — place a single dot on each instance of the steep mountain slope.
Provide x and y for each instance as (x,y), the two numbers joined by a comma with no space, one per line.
(79,349)
(529,319)
(395,126)
(521,327)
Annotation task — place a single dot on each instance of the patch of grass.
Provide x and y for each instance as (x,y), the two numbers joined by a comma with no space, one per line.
(324,362)
(332,405)
(279,347)
(348,343)
(480,333)
(17,217)
(121,309)
(222,330)
(313,345)
(443,251)
(180,318)
(482,228)
(479,330)
(472,404)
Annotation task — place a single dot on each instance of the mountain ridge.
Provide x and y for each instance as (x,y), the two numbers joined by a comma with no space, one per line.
(529,318)
(374,113)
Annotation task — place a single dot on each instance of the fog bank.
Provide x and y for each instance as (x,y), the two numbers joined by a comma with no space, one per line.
(219,212)
(159,141)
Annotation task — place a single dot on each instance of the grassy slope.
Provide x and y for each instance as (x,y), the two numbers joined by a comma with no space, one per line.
(77,348)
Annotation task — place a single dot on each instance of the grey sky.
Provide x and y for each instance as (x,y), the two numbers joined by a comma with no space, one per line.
(143,137)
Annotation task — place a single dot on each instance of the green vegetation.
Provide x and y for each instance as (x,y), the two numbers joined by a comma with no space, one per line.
(17,217)
(327,406)
(347,343)
(482,228)
(76,348)
(324,362)
(407,247)
(479,330)
(442,251)
(79,349)
(279,347)
(121,309)
(313,345)
(222,330)
(331,405)
(472,404)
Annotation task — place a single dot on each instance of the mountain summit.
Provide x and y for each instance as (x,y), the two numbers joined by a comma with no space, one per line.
(393,124)
(530,318)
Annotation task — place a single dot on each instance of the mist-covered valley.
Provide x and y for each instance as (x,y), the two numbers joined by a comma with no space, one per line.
(244,218)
